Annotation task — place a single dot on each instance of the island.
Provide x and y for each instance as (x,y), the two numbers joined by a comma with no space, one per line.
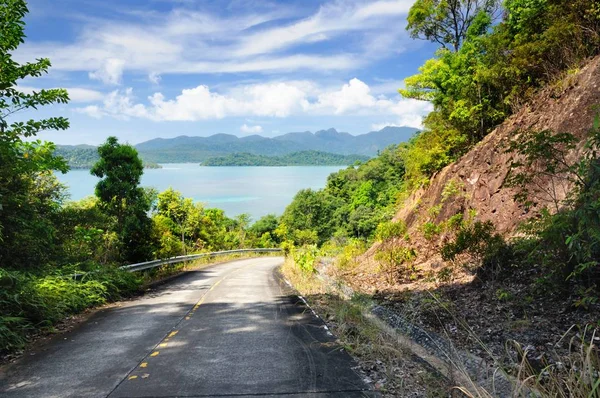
(302,158)
(85,156)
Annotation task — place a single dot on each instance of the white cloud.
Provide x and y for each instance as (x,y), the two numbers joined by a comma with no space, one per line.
(352,96)
(379,126)
(185,42)
(84,95)
(76,94)
(154,78)
(251,129)
(92,111)
(110,72)
(277,99)
(330,21)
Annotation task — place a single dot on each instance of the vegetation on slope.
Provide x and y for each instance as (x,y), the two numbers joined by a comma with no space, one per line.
(302,158)
(352,204)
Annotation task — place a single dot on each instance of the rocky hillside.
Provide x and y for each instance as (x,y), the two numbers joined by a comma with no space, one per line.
(476,184)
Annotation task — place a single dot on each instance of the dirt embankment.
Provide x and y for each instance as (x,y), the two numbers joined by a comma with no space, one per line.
(475,185)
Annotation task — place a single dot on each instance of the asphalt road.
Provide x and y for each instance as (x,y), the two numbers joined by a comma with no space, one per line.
(228,330)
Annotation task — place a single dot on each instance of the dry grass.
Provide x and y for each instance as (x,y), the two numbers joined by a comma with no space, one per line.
(388,366)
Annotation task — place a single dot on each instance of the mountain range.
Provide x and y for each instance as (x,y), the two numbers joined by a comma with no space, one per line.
(184,149)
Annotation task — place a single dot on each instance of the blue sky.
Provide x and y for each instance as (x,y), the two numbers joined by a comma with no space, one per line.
(141,69)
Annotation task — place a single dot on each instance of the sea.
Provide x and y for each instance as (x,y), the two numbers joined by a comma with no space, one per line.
(254,190)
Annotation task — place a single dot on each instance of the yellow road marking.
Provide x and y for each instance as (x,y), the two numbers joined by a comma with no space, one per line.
(132,377)
(163,343)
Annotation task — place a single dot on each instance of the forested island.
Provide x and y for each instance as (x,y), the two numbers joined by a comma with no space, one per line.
(302,158)
(85,156)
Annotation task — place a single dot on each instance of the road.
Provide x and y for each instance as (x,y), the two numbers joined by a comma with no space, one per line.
(231,329)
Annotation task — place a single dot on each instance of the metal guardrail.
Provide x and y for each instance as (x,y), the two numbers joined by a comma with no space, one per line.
(180,259)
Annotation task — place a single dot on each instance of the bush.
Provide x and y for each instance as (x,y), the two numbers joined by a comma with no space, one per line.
(391,258)
(30,302)
(486,251)
(305,258)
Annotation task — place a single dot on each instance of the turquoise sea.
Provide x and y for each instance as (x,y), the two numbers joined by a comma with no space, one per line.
(254,190)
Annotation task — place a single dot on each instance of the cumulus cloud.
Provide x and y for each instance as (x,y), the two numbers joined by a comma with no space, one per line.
(251,129)
(110,72)
(278,99)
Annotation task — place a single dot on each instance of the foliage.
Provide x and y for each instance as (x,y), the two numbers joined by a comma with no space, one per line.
(312,211)
(354,201)
(350,251)
(567,243)
(29,302)
(266,225)
(29,195)
(303,158)
(390,231)
(486,251)
(446,22)
(492,69)
(121,197)
(431,230)
(305,258)
(540,156)
(391,258)
(392,253)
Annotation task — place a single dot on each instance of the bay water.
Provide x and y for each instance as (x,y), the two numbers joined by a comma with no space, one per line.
(254,190)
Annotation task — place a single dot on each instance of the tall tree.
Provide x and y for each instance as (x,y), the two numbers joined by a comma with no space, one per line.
(446,21)
(28,191)
(121,197)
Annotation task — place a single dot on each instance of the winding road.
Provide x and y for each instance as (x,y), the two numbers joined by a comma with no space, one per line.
(228,330)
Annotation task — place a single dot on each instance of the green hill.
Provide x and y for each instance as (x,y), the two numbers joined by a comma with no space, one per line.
(84,156)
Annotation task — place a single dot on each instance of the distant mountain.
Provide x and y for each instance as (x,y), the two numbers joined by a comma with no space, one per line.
(302,158)
(198,149)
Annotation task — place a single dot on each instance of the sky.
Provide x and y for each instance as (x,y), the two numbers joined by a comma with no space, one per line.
(141,69)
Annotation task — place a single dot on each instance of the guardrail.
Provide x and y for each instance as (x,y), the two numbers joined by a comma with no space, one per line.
(180,259)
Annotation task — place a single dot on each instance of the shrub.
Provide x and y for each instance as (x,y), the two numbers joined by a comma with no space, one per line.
(29,302)
(391,258)
(431,230)
(390,230)
(486,250)
(305,258)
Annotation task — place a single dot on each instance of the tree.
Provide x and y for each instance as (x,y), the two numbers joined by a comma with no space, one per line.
(173,205)
(26,229)
(446,21)
(313,211)
(120,170)
(266,225)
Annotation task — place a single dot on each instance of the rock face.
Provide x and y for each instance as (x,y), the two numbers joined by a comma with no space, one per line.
(475,184)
